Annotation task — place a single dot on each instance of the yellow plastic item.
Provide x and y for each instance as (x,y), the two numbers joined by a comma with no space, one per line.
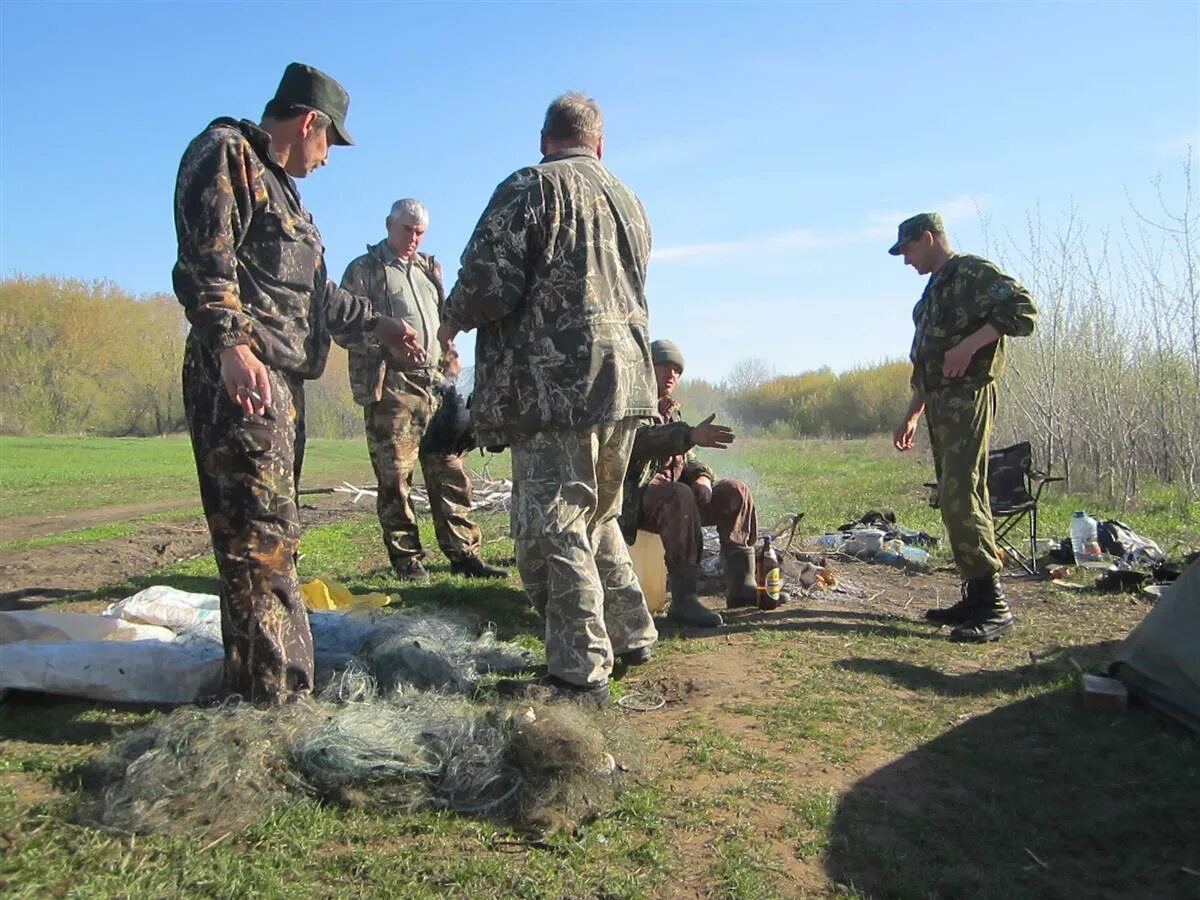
(650,567)
(332,595)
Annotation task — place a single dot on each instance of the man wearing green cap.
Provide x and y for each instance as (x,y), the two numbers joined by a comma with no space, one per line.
(671,493)
(553,278)
(967,310)
(251,277)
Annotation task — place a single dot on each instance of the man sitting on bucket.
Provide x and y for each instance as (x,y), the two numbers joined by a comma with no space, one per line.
(669,492)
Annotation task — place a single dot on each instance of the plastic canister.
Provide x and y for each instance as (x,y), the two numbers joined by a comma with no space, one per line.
(650,566)
(916,555)
(1084,541)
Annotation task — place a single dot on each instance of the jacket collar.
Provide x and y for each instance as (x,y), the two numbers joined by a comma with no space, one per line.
(569,153)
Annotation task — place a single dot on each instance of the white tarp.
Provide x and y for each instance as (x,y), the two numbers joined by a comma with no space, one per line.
(161,645)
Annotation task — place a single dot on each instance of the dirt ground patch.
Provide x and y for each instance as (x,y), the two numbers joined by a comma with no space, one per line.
(33,576)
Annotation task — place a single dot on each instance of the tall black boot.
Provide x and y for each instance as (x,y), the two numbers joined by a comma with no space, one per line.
(741,589)
(686,608)
(990,616)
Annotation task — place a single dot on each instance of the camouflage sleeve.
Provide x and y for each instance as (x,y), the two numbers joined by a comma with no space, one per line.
(356,283)
(214,203)
(1005,303)
(658,441)
(694,469)
(345,313)
(495,265)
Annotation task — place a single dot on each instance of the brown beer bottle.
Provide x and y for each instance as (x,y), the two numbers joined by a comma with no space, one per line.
(768,575)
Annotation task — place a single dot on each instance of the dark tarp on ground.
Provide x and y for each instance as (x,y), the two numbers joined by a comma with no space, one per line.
(1160,659)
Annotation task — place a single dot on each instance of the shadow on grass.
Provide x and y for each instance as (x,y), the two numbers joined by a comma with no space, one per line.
(1036,799)
(48,719)
(1048,666)
(836,621)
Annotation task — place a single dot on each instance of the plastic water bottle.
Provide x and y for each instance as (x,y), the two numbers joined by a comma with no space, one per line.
(916,555)
(1084,541)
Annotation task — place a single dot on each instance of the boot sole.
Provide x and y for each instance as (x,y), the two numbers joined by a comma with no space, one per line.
(990,635)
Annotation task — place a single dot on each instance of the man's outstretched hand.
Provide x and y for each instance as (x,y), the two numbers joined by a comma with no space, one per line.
(706,434)
(400,339)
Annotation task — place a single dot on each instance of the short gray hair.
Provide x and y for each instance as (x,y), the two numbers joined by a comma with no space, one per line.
(574,116)
(284,112)
(408,208)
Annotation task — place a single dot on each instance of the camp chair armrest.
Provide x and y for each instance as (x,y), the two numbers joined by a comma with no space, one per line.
(1043,478)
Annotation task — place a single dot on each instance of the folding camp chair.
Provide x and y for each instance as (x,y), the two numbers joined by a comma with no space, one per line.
(1014,488)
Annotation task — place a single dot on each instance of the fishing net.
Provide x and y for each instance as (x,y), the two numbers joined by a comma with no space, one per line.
(212,771)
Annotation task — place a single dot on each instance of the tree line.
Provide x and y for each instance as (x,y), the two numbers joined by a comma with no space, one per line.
(1107,388)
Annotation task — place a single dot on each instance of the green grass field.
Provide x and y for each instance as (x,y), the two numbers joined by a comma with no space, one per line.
(843,751)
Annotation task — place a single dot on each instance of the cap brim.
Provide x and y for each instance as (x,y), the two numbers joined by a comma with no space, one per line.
(342,135)
(895,251)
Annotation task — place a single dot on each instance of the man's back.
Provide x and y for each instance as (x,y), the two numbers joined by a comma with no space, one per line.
(554,278)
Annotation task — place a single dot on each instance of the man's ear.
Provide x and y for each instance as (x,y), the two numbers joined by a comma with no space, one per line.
(306,122)
(600,149)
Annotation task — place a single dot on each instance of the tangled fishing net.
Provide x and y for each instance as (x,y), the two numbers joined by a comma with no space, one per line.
(370,740)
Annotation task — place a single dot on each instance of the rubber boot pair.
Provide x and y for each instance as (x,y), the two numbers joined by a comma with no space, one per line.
(981,615)
(741,589)
(686,608)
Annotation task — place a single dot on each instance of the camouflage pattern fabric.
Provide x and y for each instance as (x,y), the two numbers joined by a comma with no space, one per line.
(411,292)
(672,510)
(960,420)
(248,468)
(662,449)
(251,270)
(394,426)
(449,488)
(553,278)
(251,263)
(572,559)
(967,293)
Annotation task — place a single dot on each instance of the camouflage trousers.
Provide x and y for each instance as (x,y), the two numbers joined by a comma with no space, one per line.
(573,561)
(960,422)
(672,510)
(394,426)
(249,467)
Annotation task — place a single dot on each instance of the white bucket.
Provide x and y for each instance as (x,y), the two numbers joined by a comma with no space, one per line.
(865,540)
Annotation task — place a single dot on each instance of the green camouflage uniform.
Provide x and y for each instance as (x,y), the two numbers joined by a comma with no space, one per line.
(553,278)
(967,293)
(398,401)
(658,495)
(251,270)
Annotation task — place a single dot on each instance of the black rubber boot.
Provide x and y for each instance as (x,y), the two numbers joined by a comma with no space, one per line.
(686,608)
(474,567)
(740,587)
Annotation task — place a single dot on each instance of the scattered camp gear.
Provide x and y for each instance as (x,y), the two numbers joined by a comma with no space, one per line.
(1014,489)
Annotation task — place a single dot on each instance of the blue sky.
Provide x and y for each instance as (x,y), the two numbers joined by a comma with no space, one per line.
(774,145)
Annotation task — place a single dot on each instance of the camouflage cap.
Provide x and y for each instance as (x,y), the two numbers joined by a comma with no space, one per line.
(666,352)
(914,226)
(303,85)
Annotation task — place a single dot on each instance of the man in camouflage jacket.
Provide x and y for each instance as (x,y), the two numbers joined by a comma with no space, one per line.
(669,492)
(399,399)
(967,310)
(251,277)
(553,279)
